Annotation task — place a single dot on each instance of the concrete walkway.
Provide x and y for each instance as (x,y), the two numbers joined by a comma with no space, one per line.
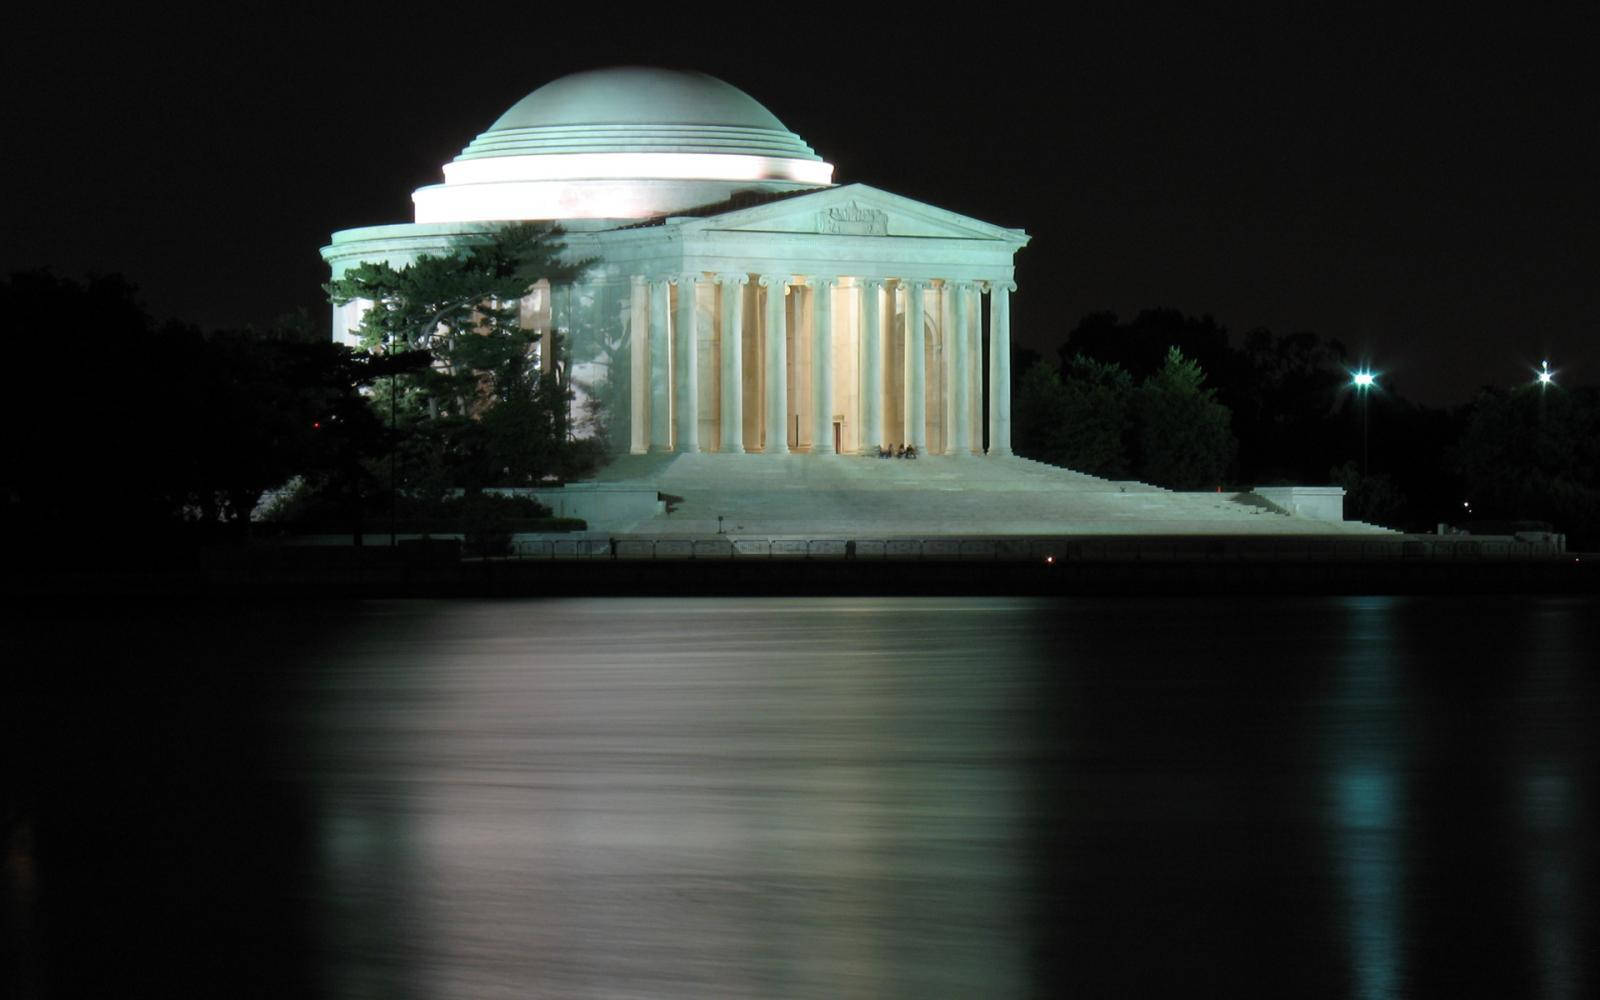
(849,496)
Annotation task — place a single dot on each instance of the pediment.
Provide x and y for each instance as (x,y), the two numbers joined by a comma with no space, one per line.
(855,210)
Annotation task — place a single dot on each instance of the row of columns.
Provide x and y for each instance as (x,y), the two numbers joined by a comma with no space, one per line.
(682,380)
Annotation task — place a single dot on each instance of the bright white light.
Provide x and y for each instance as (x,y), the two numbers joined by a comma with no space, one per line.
(581,199)
(1546,376)
(629,166)
(1364,379)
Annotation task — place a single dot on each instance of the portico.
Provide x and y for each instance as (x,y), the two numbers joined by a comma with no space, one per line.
(818,355)
(850,377)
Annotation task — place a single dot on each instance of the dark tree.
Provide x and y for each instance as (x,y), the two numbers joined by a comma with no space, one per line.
(1080,420)
(138,431)
(1184,437)
(1534,453)
(487,411)
(462,307)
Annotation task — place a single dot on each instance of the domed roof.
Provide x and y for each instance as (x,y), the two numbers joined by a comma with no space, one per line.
(635,109)
(625,143)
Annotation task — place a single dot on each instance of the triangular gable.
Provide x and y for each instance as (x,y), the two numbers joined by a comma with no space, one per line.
(855,210)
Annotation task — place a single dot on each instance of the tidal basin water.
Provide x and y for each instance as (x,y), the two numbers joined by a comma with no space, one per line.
(810,797)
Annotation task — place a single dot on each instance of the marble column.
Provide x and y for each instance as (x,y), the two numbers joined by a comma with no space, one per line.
(547,333)
(872,369)
(660,367)
(638,363)
(822,365)
(733,361)
(961,443)
(685,365)
(1000,367)
(917,381)
(560,322)
(777,423)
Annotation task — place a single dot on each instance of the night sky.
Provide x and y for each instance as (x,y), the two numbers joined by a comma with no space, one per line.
(1422,189)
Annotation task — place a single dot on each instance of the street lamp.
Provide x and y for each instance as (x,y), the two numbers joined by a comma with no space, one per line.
(1364,381)
(1546,377)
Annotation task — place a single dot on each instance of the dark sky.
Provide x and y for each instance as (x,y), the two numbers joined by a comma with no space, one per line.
(1423,189)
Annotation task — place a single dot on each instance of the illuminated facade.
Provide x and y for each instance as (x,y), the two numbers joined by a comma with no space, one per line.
(743,302)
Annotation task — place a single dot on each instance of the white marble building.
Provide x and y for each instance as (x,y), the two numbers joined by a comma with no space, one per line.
(743,302)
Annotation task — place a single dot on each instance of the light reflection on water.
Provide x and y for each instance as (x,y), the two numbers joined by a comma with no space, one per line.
(841,797)
(1366,759)
(809,798)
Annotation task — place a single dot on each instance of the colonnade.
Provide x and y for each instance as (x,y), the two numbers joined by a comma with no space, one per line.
(797,324)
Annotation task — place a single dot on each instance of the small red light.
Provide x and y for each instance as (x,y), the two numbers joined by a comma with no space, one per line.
(315,424)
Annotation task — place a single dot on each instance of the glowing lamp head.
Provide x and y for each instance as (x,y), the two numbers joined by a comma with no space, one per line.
(1364,379)
(1545,375)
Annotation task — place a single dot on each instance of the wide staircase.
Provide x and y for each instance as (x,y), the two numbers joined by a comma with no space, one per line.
(834,495)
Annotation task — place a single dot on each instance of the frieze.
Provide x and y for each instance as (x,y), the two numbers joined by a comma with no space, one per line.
(853,220)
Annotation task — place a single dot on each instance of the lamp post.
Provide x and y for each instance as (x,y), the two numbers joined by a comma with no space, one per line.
(1364,381)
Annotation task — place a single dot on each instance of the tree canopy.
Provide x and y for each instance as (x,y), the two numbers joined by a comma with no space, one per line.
(487,410)
(1534,453)
(463,307)
(154,427)
(1184,436)
(1169,430)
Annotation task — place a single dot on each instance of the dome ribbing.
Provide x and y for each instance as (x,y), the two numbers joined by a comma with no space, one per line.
(638,110)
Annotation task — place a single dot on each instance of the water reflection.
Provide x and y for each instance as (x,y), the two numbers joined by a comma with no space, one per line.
(815,797)
(1550,860)
(1555,729)
(1366,750)
(921,798)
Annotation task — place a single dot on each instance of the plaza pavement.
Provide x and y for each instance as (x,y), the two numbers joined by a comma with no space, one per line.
(852,496)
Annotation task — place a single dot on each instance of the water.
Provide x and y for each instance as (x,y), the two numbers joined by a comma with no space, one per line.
(1336,797)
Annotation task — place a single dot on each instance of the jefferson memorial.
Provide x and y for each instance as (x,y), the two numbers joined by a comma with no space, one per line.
(743,301)
(750,323)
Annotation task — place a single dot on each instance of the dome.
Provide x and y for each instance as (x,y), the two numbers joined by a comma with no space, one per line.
(622,143)
(635,109)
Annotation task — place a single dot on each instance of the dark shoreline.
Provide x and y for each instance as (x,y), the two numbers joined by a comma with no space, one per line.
(381,572)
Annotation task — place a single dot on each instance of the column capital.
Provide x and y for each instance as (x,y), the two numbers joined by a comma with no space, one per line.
(689,278)
(637,279)
(732,278)
(819,280)
(768,280)
(870,282)
(1003,286)
(914,284)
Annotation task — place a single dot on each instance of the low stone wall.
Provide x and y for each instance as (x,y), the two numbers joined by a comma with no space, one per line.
(1074,549)
(1320,503)
(602,505)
